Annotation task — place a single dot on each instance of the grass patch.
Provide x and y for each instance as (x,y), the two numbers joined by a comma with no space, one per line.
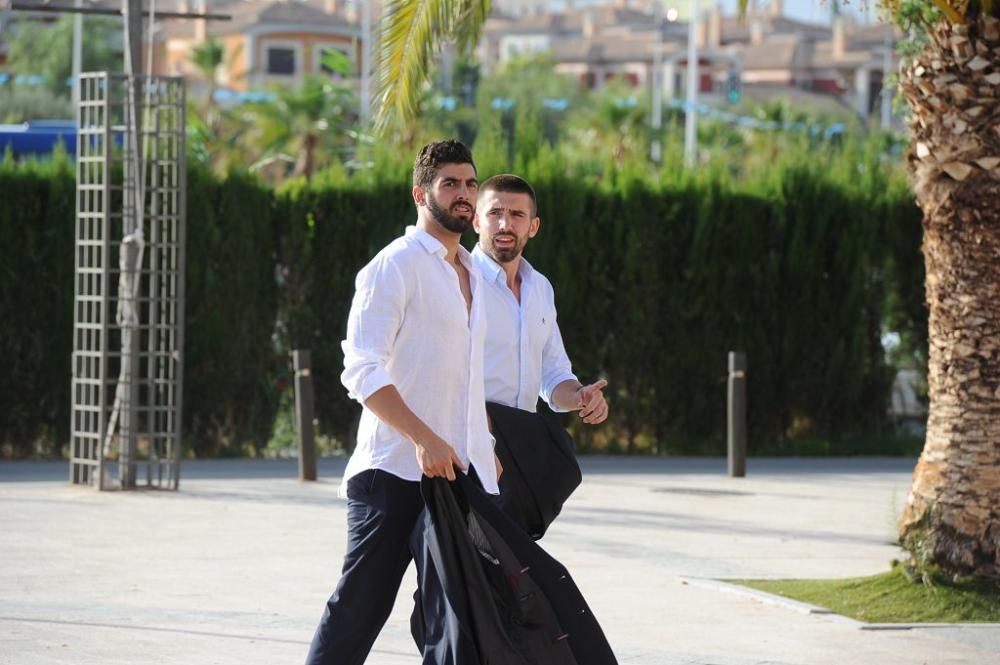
(892,598)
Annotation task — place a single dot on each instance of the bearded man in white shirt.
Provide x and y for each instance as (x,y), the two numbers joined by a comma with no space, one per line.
(525,356)
(414,358)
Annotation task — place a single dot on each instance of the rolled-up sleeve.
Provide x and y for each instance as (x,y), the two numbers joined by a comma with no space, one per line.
(556,367)
(372,326)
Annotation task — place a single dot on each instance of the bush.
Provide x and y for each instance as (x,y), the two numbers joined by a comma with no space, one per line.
(21,104)
(656,280)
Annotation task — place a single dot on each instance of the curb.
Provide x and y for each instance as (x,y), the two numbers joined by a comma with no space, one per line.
(815,610)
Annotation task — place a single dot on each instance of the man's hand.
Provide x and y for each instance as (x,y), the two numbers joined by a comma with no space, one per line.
(593,407)
(499,466)
(436,458)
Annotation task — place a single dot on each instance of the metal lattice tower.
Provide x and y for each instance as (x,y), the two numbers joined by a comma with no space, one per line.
(129,287)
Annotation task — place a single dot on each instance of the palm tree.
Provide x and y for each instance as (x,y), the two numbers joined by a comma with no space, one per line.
(304,122)
(952,518)
(951,523)
(207,57)
(411,33)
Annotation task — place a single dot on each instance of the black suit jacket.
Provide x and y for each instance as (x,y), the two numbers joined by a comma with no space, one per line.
(488,594)
(540,470)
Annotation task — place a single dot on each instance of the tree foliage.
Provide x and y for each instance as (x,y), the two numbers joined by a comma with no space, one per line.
(47,50)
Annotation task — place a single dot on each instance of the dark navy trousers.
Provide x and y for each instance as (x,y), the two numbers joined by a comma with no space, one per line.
(382,510)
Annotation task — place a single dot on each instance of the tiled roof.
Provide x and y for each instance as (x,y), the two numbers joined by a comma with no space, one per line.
(568,21)
(824,58)
(249,13)
(776,52)
(735,29)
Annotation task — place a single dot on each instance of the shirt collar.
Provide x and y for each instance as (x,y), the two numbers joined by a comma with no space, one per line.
(429,242)
(494,271)
(435,246)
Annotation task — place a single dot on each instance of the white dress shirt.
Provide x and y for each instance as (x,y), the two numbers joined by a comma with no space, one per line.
(409,327)
(525,356)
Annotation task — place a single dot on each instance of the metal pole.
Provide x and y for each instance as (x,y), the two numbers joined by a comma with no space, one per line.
(131,218)
(655,149)
(20,5)
(129,405)
(691,117)
(179,209)
(736,414)
(132,11)
(886,90)
(77,53)
(304,415)
(366,65)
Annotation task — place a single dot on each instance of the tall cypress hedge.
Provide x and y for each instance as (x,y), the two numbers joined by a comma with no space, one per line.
(656,280)
(37,204)
(231,365)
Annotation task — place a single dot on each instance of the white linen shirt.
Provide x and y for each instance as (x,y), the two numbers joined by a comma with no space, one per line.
(525,356)
(409,327)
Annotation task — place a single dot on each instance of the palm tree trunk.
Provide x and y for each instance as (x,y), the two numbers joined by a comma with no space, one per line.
(951,522)
(306,162)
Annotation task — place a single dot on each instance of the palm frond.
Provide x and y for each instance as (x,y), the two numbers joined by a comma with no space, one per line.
(207,57)
(954,10)
(412,32)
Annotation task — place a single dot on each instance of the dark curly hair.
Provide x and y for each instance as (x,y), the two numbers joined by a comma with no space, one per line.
(435,155)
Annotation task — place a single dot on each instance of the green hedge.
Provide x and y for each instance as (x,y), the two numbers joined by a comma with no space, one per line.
(231,365)
(656,280)
(36,304)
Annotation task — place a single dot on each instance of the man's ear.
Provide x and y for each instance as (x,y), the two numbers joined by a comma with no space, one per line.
(419,197)
(536,224)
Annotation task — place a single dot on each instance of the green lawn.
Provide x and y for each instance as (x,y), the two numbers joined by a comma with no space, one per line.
(892,598)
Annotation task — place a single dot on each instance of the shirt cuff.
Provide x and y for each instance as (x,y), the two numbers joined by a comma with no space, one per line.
(374,381)
(551,386)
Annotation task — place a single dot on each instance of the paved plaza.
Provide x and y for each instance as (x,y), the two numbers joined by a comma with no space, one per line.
(235,567)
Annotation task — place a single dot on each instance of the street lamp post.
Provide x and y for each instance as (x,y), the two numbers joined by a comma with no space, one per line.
(366,66)
(655,149)
(77,52)
(691,116)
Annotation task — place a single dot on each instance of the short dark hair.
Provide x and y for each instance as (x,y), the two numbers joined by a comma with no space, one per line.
(512,184)
(435,155)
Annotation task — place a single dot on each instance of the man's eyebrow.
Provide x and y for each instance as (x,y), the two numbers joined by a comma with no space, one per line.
(472,181)
(513,211)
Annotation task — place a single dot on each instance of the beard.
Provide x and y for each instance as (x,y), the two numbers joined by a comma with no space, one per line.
(447,218)
(506,254)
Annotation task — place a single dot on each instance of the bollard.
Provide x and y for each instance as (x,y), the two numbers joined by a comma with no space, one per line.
(304,415)
(736,412)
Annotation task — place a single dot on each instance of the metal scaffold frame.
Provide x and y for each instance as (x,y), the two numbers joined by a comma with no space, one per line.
(129,287)
(128,316)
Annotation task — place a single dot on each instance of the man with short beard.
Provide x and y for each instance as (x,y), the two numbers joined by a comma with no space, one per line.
(413,357)
(525,356)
